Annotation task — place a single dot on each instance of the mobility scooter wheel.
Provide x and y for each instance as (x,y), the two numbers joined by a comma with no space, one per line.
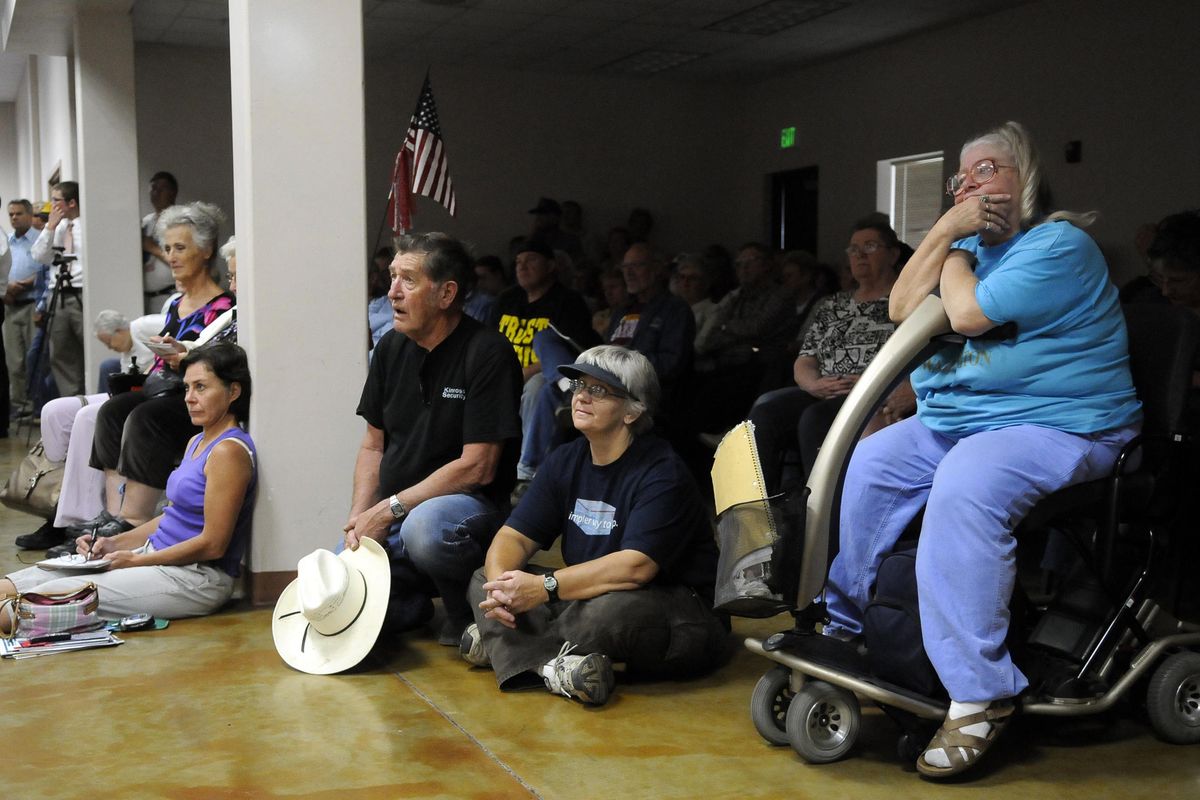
(823,722)
(769,704)
(1173,699)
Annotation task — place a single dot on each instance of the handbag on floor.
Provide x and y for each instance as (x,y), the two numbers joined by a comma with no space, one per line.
(34,485)
(42,614)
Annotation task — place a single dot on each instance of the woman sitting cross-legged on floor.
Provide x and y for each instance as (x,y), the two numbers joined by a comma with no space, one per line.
(183,562)
(639,550)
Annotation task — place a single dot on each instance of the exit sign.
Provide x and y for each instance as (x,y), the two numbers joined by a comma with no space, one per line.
(787,138)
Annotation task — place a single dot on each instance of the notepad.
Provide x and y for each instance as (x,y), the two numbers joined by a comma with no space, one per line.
(75,561)
(18,649)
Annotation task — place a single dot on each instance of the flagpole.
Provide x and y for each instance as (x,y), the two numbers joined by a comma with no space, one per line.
(382,223)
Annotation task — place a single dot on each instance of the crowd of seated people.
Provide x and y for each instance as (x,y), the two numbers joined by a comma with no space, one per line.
(749,318)
(184,561)
(593,344)
(846,331)
(164,430)
(119,451)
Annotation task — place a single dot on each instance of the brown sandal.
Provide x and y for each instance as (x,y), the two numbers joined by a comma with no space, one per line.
(950,739)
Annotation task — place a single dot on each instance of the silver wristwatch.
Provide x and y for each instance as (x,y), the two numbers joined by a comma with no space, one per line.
(550,583)
(399,511)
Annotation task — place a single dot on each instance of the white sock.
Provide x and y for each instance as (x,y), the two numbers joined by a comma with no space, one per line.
(938,757)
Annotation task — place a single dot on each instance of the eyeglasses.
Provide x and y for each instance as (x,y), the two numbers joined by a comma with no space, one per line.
(981,172)
(596,390)
(867,249)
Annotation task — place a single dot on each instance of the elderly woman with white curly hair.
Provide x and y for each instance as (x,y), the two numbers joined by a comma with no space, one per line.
(67,425)
(637,543)
(1001,422)
(140,435)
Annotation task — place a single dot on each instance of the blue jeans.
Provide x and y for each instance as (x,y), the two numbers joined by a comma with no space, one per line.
(975,491)
(107,367)
(434,551)
(538,433)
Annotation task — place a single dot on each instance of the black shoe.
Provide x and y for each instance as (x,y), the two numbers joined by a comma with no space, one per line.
(85,528)
(113,527)
(67,548)
(43,537)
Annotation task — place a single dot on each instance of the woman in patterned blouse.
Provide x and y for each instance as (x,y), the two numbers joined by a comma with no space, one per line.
(847,331)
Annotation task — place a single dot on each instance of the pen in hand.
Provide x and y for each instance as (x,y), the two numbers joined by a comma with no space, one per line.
(92,544)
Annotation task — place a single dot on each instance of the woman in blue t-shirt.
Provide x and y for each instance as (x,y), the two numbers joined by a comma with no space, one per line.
(638,547)
(183,562)
(1001,423)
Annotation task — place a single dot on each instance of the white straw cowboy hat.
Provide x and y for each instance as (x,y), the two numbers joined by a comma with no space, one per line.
(327,619)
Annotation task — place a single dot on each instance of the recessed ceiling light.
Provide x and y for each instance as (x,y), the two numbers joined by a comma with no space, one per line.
(776,15)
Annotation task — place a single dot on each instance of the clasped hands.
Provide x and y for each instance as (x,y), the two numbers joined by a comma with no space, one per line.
(511,593)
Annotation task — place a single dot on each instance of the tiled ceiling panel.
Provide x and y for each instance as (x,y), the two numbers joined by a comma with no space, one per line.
(589,35)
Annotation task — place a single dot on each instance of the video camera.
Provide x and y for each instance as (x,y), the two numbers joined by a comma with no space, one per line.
(62,260)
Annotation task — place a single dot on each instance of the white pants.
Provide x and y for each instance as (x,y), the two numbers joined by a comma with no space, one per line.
(67,428)
(168,592)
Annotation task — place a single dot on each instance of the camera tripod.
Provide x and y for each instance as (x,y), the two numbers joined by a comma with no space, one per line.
(62,281)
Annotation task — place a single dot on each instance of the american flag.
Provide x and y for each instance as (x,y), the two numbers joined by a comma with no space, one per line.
(421,166)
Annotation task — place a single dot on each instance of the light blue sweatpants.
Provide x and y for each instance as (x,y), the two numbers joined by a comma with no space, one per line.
(975,490)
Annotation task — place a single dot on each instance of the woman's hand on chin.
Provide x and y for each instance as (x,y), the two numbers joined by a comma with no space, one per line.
(982,213)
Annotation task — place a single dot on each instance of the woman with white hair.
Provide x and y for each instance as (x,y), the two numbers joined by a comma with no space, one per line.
(1001,422)
(637,544)
(67,425)
(140,435)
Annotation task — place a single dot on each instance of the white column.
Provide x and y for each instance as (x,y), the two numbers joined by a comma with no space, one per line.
(108,172)
(298,153)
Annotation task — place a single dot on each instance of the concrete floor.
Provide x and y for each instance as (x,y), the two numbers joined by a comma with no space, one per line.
(206,709)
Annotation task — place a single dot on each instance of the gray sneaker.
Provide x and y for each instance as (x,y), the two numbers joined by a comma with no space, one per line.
(471,647)
(588,679)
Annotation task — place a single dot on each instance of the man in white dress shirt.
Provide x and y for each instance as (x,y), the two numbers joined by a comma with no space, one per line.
(157,281)
(64,230)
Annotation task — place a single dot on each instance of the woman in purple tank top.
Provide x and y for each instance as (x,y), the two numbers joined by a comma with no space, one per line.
(183,562)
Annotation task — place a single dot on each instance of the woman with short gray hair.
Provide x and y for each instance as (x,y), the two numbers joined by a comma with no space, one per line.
(637,544)
(140,435)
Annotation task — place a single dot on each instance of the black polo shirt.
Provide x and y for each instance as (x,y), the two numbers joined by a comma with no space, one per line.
(430,403)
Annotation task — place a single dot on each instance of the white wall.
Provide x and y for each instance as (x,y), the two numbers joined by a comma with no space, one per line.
(56,110)
(184,122)
(10,179)
(1117,76)
(28,134)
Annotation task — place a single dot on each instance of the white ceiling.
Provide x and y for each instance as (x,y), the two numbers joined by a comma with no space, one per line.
(564,36)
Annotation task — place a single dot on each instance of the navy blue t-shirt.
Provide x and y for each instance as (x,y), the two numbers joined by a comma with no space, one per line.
(646,500)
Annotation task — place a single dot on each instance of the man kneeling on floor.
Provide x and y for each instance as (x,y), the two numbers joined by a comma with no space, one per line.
(639,550)
(437,463)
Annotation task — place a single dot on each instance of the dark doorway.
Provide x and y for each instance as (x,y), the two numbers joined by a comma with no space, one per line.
(794,209)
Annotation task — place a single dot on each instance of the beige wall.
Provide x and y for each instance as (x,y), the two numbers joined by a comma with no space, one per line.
(1117,76)
(184,122)
(611,144)
(56,109)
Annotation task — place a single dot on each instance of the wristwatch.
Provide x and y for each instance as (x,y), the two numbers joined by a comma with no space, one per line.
(551,585)
(399,511)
